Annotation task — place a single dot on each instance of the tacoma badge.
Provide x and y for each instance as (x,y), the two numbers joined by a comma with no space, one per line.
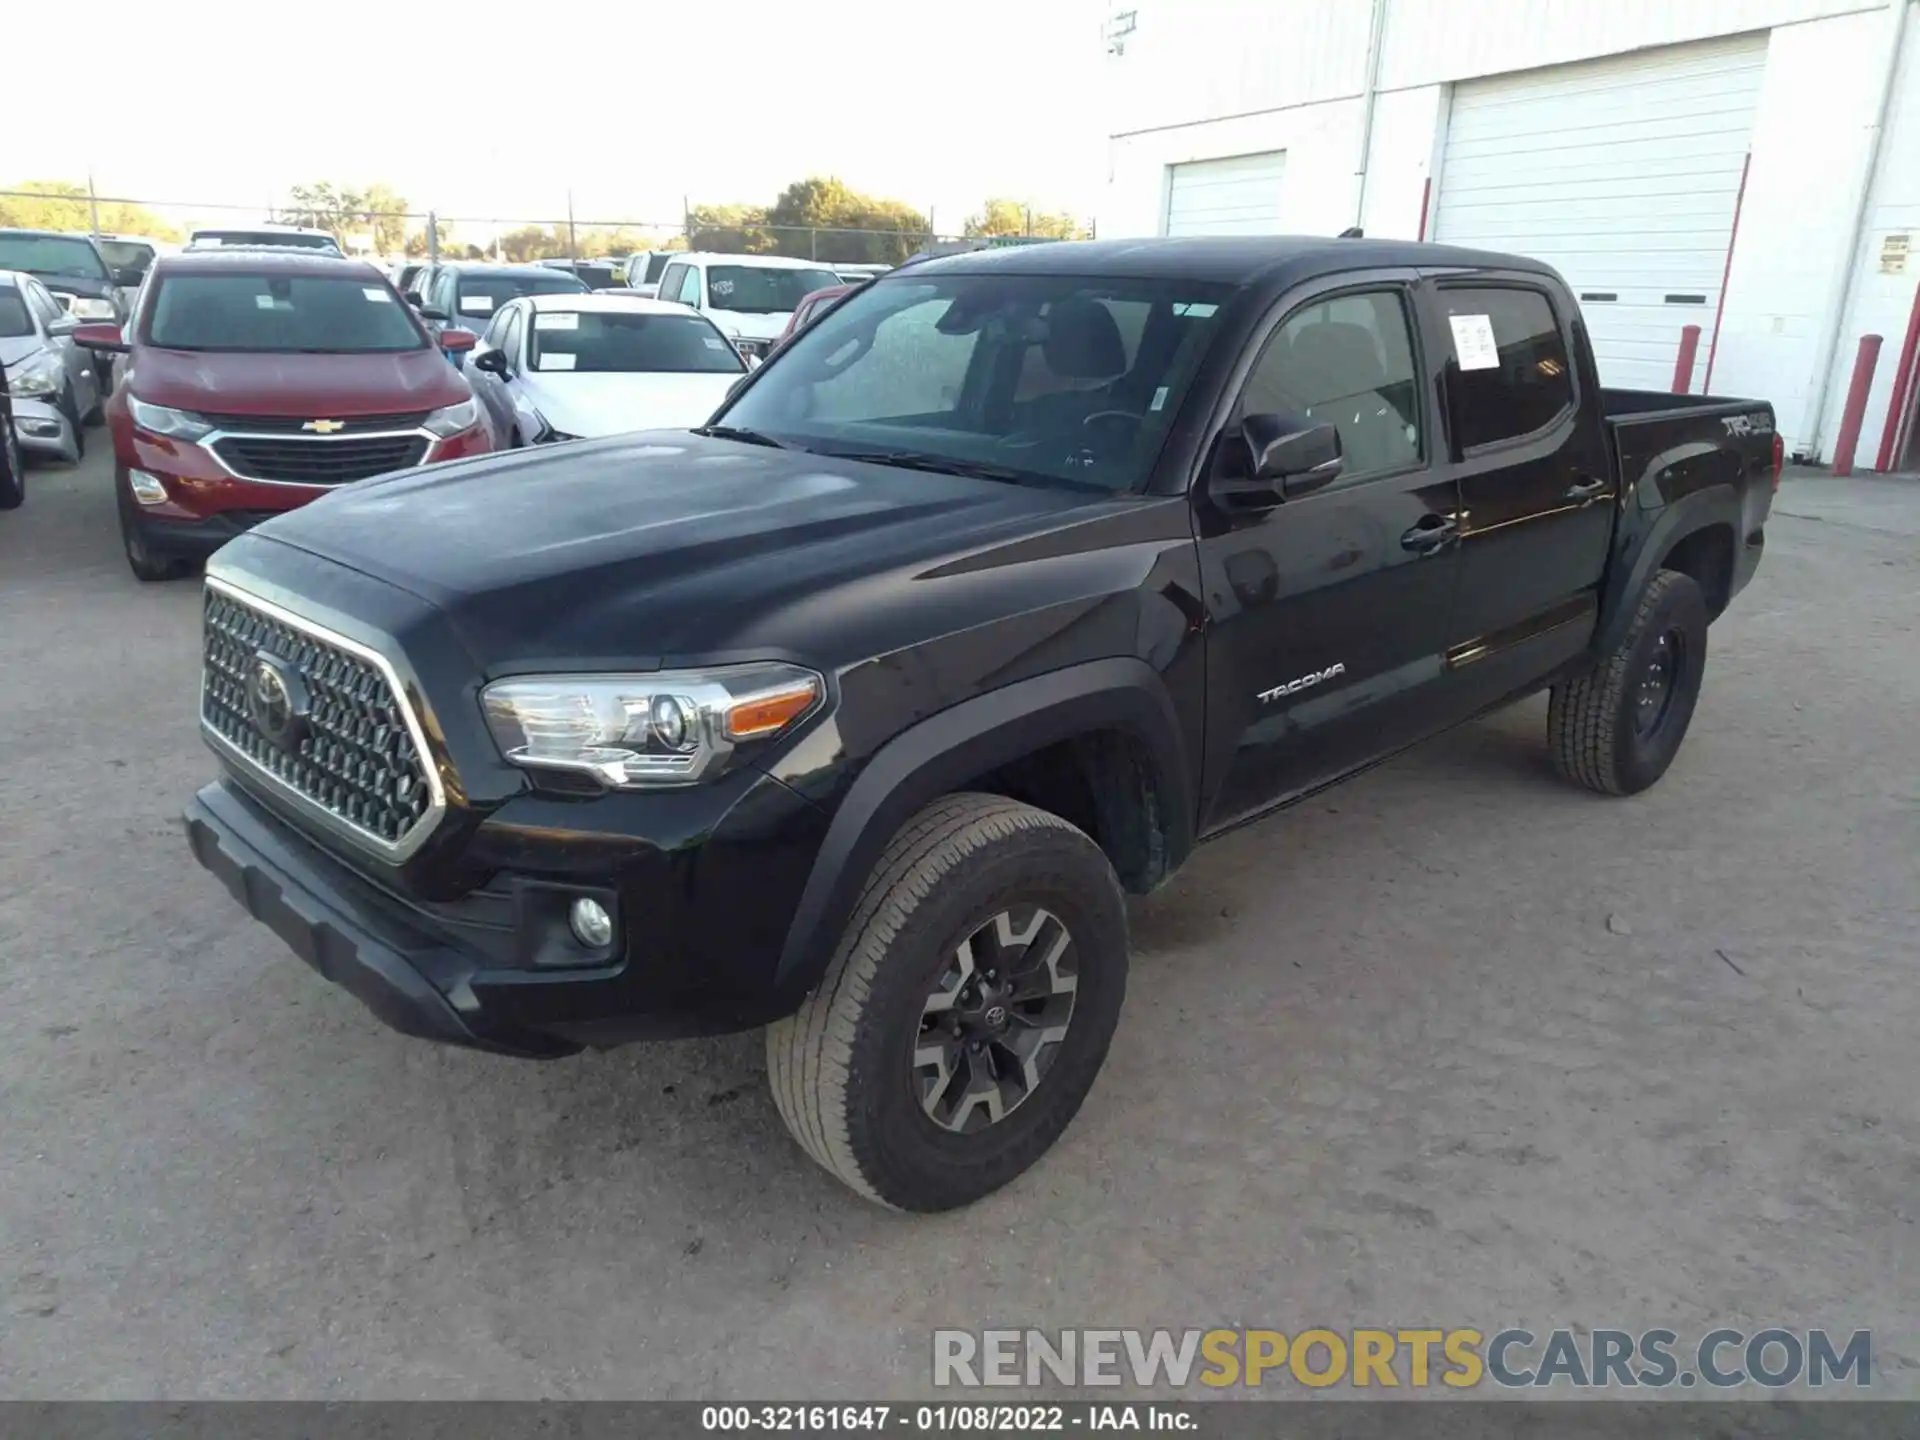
(1305,682)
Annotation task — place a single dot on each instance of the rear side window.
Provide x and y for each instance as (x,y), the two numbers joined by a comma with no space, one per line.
(1508,373)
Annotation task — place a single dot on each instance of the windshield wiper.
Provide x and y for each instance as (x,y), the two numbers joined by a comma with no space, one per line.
(740,433)
(936,464)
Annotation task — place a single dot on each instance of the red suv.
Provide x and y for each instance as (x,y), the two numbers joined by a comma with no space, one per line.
(260,380)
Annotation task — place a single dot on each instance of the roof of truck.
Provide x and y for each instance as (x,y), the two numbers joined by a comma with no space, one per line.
(1231,258)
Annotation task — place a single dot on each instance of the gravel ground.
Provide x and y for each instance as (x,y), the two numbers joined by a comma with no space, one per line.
(1453,1044)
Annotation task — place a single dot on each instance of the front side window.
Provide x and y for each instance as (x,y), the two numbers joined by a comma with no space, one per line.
(510,336)
(1508,374)
(133,255)
(15,322)
(655,264)
(690,287)
(1028,379)
(1346,361)
(670,282)
(763,289)
(613,342)
(305,314)
(61,255)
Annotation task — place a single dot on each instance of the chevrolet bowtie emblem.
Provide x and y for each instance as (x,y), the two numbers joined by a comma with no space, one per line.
(324,427)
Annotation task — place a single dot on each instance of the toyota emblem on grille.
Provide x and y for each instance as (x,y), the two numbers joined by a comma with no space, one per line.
(276,701)
(324,427)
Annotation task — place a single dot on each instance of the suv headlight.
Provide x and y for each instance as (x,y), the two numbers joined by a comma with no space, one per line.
(640,732)
(35,380)
(86,307)
(174,424)
(450,420)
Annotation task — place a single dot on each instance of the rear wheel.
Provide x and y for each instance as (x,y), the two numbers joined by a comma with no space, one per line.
(966,1012)
(1617,728)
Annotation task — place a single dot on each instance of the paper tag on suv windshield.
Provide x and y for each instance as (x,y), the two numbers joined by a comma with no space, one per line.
(1473,342)
(379,297)
(267,302)
(716,344)
(476,304)
(558,320)
(557,362)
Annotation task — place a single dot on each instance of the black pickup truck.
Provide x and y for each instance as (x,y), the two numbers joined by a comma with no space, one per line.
(855,712)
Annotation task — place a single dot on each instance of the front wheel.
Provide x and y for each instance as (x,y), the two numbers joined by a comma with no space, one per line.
(70,407)
(13,472)
(1617,728)
(966,1012)
(146,564)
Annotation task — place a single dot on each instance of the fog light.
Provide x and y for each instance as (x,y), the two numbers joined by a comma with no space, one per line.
(592,926)
(146,488)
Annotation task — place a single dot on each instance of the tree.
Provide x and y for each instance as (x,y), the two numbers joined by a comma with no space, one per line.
(386,215)
(823,219)
(1000,216)
(376,211)
(730,229)
(65,207)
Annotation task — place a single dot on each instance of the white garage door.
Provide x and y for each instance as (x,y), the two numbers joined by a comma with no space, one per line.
(1236,196)
(1622,174)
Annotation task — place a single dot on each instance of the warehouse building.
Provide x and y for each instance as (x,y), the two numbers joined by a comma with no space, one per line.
(1750,167)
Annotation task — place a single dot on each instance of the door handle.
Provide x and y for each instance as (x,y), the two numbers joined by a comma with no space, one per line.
(1585,490)
(1434,532)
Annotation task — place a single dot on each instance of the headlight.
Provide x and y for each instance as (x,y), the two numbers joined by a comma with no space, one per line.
(174,424)
(639,732)
(35,380)
(85,307)
(450,420)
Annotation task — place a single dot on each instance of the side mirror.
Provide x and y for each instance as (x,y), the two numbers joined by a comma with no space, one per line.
(457,339)
(439,317)
(414,299)
(100,337)
(494,362)
(129,277)
(1274,458)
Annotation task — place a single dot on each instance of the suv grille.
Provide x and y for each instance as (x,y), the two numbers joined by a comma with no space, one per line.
(296,424)
(350,754)
(318,462)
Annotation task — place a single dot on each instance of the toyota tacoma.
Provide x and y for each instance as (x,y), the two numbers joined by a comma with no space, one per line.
(855,712)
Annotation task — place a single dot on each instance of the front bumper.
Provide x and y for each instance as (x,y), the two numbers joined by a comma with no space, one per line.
(42,430)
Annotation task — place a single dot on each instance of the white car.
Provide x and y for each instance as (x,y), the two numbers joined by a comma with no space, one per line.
(281,237)
(574,367)
(750,297)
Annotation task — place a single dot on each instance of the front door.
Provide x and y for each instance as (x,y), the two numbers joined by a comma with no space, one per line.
(1327,613)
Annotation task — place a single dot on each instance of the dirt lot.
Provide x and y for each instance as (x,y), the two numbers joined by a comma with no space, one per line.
(1452,1045)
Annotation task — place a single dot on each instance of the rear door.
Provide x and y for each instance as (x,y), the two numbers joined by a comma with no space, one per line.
(1327,614)
(1525,444)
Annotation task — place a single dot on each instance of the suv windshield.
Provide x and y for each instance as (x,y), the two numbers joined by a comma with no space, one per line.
(308,314)
(763,289)
(481,293)
(611,342)
(52,255)
(282,238)
(1038,379)
(127,254)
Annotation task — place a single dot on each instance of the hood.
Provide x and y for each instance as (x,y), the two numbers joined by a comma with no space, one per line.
(595,405)
(747,325)
(662,545)
(334,386)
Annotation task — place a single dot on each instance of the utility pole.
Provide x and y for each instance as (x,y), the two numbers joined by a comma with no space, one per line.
(686,218)
(572,252)
(433,239)
(93,204)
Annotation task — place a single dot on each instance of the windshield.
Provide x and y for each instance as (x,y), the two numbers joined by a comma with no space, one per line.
(598,277)
(266,237)
(1055,379)
(127,254)
(14,320)
(481,293)
(762,289)
(621,342)
(308,314)
(52,255)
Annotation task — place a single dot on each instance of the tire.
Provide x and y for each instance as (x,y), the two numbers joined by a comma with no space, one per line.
(146,564)
(70,407)
(1616,728)
(13,470)
(968,873)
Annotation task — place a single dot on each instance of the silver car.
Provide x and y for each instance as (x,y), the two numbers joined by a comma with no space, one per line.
(53,382)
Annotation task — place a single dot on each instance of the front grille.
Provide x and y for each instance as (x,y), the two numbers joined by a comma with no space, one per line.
(353,757)
(296,424)
(299,461)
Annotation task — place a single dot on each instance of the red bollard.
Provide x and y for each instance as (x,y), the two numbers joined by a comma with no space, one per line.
(1902,388)
(1683,362)
(1856,410)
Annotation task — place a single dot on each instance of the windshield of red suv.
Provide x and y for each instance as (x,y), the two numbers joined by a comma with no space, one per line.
(307,314)
(52,255)
(762,289)
(1031,379)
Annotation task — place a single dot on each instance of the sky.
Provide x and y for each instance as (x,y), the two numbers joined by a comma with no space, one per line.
(492,109)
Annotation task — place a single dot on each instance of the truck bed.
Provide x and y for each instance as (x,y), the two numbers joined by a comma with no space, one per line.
(1689,439)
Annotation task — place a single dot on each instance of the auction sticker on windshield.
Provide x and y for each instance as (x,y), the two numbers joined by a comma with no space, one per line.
(557,320)
(1473,342)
